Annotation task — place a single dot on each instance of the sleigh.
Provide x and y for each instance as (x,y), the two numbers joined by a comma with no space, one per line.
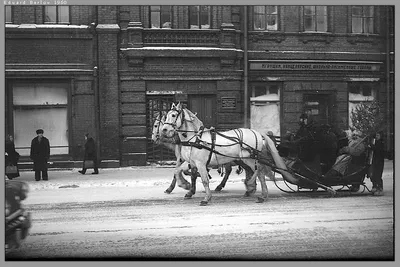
(308,177)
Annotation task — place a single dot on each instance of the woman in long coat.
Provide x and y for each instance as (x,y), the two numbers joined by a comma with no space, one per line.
(40,154)
(12,156)
(90,154)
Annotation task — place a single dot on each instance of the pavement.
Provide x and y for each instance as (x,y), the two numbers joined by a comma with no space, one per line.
(134,176)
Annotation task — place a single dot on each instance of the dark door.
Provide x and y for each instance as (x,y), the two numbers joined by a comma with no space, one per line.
(320,106)
(205,107)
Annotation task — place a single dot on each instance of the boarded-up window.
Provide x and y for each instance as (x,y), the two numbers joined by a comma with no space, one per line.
(44,106)
(265,107)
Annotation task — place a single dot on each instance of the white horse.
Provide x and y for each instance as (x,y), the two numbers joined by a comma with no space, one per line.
(173,144)
(210,148)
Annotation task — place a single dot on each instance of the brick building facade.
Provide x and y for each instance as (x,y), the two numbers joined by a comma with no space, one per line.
(106,69)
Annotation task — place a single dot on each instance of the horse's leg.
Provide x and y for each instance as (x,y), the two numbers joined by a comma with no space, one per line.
(206,183)
(264,188)
(193,176)
(171,187)
(179,177)
(228,170)
(251,185)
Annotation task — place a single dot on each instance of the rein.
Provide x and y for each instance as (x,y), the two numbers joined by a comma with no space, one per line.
(200,144)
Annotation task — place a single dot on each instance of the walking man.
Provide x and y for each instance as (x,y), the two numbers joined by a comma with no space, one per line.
(40,154)
(90,155)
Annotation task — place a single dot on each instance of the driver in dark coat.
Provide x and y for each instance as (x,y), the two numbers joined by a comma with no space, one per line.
(40,154)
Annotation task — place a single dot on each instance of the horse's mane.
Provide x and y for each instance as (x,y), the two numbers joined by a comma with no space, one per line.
(193,118)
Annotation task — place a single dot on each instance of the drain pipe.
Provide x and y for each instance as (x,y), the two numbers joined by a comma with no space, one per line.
(245,70)
(388,81)
(97,86)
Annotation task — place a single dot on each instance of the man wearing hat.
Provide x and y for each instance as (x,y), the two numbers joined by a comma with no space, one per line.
(40,154)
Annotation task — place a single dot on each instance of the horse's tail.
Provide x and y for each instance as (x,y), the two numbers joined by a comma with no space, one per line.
(269,150)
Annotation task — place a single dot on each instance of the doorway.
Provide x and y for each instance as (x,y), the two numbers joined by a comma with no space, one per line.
(205,107)
(320,106)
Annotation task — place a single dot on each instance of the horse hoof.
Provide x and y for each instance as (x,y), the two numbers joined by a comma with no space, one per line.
(203,203)
(248,194)
(260,200)
(219,188)
(188,196)
(167,191)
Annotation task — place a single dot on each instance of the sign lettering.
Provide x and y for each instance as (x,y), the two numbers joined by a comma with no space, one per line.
(315,66)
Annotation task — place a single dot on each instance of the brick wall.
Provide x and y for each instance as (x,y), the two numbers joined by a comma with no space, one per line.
(83,114)
(108,87)
(51,50)
(133,122)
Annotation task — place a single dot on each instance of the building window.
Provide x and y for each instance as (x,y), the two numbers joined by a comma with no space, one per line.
(360,92)
(8,10)
(161,17)
(266,18)
(315,18)
(56,14)
(199,17)
(362,19)
(41,105)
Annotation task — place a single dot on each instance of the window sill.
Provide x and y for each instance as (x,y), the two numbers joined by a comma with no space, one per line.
(324,37)
(265,35)
(363,38)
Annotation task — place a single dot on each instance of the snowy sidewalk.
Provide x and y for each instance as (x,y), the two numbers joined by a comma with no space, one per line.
(132,177)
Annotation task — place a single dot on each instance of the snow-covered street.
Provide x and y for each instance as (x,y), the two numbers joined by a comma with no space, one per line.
(125,214)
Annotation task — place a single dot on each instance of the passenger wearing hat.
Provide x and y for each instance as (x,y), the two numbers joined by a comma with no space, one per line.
(90,154)
(40,154)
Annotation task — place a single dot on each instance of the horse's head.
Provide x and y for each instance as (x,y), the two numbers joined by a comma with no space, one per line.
(157,127)
(173,120)
(176,118)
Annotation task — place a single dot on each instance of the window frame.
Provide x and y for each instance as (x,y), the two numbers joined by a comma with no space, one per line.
(58,10)
(12,107)
(363,17)
(266,17)
(199,14)
(160,16)
(315,19)
(10,9)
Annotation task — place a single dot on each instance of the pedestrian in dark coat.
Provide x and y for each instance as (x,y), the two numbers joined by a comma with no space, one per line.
(40,154)
(12,156)
(90,154)
(378,161)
